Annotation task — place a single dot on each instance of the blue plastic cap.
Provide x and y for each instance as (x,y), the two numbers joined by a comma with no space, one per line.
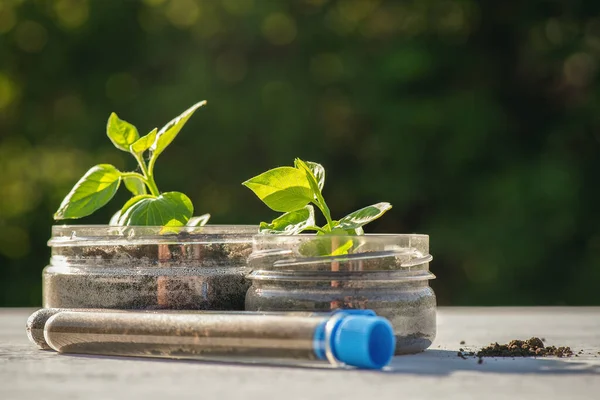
(364,341)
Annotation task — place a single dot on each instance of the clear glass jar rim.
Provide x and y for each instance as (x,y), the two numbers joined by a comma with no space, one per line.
(269,237)
(101,227)
(262,243)
(327,276)
(311,252)
(98,235)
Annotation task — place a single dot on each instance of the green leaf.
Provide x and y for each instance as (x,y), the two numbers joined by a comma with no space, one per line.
(93,191)
(317,170)
(121,132)
(314,185)
(311,179)
(114,220)
(357,231)
(168,209)
(339,231)
(326,245)
(144,143)
(165,136)
(199,221)
(363,216)
(319,246)
(336,230)
(282,189)
(135,185)
(343,249)
(134,200)
(290,223)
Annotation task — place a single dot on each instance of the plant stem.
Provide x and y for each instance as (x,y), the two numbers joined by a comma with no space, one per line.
(148,176)
(142,178)
(151,164)
(325,210)
(315,228)
(152,186)
(133,175)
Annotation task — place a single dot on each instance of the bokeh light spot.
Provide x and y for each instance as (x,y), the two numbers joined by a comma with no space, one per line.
(18,192)
(71,14)
(8,18)
(592,34)
(335,21)
(279,29)
(30,36)
(554,32)
(7,91)
(452,18)
(337,114)
(60,166)
(238,7)
(68,107)
(580,69)
(183,13)
(316,3)
(151,20)
(356,10)
(380,23)
(154,3)
(210,25)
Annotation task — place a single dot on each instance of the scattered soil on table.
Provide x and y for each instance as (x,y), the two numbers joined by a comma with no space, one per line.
(533,347)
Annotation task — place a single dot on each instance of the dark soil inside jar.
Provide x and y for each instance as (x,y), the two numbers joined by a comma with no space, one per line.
(208,255)
(533,347)
(193,290)
(165,276)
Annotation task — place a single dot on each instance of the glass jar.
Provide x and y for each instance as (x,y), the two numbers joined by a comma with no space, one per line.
(386,273)
(146,267)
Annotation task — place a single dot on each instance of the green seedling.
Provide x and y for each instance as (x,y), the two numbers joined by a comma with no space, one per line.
(148,206)
(294,191)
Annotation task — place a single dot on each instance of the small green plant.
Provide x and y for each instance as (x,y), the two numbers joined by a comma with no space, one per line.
(148,206)
(294,191)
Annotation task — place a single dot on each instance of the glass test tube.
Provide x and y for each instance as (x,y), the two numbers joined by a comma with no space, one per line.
(37,320)
(341,338)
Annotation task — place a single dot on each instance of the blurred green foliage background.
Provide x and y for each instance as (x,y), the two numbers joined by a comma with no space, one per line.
(478,121)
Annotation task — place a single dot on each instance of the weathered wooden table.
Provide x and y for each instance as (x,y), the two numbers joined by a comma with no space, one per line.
(28,373)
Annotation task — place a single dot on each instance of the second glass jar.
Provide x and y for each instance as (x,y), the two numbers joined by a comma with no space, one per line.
(386,273)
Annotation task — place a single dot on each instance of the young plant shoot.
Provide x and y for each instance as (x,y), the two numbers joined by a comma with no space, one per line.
(294,191)
(148,206)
